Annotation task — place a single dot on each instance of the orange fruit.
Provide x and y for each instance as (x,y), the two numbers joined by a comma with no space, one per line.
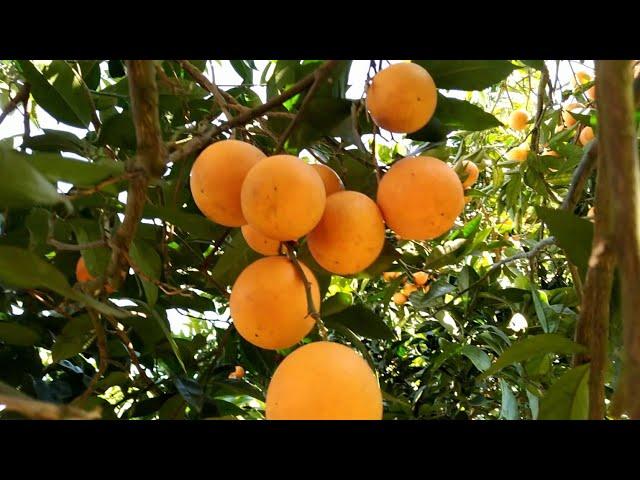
(518,154)
(467,199)
(591,93)
(83,275)
(581,78)
(283,197)
(420,278)
(324,381)
(408,289)
(237,374)
(586,135)
(330,178)
(399,298)
(216,180)
(569,119)
(350,235)
(402,98)
(472,172)
(420,197)
(389,276)
(259,242)
(518,120)
(269,305)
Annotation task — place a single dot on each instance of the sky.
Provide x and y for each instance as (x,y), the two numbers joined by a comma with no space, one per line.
(226,77)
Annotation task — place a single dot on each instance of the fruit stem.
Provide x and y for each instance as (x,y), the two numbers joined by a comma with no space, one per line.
(311,308)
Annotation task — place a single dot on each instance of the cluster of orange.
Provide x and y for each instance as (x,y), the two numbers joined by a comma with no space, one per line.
(519,119)
(419,283)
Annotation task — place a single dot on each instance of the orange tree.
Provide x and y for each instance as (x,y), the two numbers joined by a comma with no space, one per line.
(478,300)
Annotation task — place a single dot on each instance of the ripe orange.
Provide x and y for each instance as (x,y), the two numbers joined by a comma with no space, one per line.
(399,298)
(518,120)
(324,381)
(350,235)
(283,197)
(216,180)
(420,278)
(402,98)
(582,77)
(420,197)
(569,119)
(472,172)
(269,305)
(518,154)
(330,178)
(389,276)
(586,135)
(591,93)
(259,242)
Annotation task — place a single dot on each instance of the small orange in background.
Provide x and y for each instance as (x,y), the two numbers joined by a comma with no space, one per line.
(569,120)
(399,298)
(259,242)
(472,172)
(402,98)
(83,275)
(420,278)
(581,78)
(237,374)
(408,289)
(518,120)
(518,154)
(330,178)
(389,276)
(586,135)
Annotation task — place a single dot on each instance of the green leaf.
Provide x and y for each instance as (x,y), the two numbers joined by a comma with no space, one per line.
(16,334)
(56,141)
(90,70)
(59,91)
(477,356)
(458,114)
(537,64)
(336,303)
(438,289)
(467,74)
(146,259)
(113,379)
(73,338)
(23,185)
(534,345)
(568,397)
(78,172)
(362,321)
(165,329)
(509,409)
(196,225)
(191,391)
(236,257)
(573,234)
(37,223)
(243,68)
(537,303)
(118,131)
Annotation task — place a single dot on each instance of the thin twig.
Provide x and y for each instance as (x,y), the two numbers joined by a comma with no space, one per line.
(22,94)
(207,85)
(103,356)
(76,247)
(535,133)
(311,308)
(199,142)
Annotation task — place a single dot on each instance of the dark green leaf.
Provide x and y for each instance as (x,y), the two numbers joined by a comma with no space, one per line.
(477,356)
(458,114)
(78,172)
(16,334)
(509,409)
(362,321)
(236,257)
(38,224)
(56,141)
(197,226)
(336,303)
(568,397)
(534,345)
(573,234)
(118,131)
(537,64)
(191,391)
(467,74)
(535,294)
(148,261)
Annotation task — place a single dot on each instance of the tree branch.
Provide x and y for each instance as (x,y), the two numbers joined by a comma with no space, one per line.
(198,143)
(311,308)
(76,247)
(207,85)
(618,141)
(150,160)
(535,132)
(319,76)
(21,96)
